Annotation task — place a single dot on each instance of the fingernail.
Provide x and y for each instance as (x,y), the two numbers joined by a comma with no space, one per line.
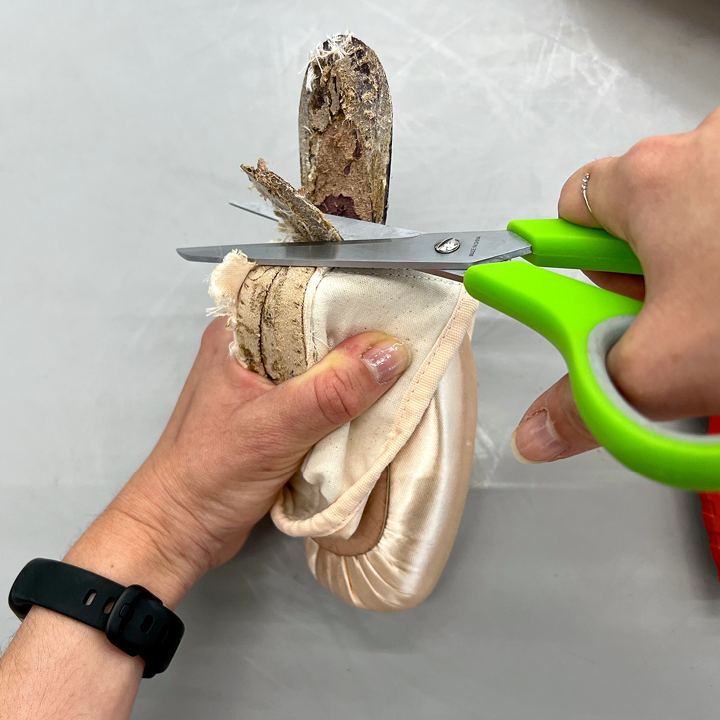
(535,440)
(386,359)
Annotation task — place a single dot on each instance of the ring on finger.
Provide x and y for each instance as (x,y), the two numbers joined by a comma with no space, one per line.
(584,194)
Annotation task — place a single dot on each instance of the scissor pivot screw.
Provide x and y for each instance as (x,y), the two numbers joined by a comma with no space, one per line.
(447,246)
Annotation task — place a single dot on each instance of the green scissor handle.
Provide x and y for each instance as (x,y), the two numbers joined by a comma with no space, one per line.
(560,244)
(584,322)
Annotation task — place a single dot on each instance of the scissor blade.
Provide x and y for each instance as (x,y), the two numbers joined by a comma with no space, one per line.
(257,208)
(349,228)
(418,252)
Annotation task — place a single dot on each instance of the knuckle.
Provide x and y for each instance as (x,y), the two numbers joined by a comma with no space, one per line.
(575,425)
(212,334)
(648,164)
(568,424)
(635,373)
(713,117)
(338,395)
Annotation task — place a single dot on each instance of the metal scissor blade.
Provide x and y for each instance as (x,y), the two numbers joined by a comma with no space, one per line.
(417,253)
(349,228)
(257,208)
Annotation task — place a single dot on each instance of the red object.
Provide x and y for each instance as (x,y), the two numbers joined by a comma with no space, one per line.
(711,508)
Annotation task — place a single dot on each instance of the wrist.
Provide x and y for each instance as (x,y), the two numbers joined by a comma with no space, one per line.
(141,540)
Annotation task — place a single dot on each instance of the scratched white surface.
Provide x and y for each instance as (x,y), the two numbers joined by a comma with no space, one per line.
(574,591)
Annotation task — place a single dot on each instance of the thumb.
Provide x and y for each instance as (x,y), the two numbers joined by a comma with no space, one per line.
(344,384)
(552,428)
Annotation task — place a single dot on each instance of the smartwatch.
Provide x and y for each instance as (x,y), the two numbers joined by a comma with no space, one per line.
(133,619)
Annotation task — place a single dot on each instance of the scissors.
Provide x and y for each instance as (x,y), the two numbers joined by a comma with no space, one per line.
(582,321)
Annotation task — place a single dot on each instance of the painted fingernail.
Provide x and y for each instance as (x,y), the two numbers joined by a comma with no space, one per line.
(386,359)
(535,440)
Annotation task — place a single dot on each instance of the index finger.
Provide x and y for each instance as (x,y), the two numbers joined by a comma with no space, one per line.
(608,212)
(601,193)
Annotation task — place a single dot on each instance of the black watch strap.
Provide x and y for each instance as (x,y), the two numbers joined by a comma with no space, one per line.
(133,619)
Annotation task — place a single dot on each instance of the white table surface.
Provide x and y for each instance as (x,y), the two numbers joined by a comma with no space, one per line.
(575,591)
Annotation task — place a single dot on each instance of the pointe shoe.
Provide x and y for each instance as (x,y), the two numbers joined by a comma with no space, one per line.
(379,500)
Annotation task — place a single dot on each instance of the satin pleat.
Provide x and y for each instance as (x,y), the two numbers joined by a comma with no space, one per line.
(429,480)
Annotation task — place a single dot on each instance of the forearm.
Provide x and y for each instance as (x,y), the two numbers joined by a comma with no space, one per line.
(58,668)
(232,442)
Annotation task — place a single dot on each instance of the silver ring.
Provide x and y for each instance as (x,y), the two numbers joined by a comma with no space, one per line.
(584,194)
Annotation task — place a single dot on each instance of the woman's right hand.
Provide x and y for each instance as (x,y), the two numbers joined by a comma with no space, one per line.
(663,197)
